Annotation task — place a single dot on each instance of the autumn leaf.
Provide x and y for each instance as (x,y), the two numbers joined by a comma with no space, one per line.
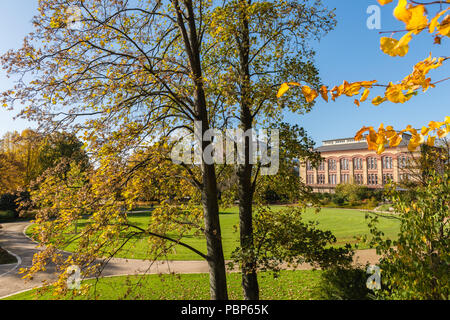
(418,21)
(392,47)
(365,95)
(378,100)
(324,93)
(444,27)
(401,12)
(310,94)
(285,87)
(434,22)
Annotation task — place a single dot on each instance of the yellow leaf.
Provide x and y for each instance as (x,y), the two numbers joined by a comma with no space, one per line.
(395,94)
(368,84)
(418,21)
(383,2)
(404,41)
(433,125)
(365,95)
(401,12)
(378,100)
(359,134)
(395,140)
(391,47)
(434,22)
(425,131)
(443,132)
(444,27)
(324,93)
(430,141)
(310,94)
(285,87)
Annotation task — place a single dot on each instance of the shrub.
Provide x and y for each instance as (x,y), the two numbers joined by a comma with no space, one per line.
(416,265)
(344,284)
(12,201)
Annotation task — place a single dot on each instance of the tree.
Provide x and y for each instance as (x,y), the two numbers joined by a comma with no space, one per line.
(58,146)
(10,173)
(282,236)
(27,155)
(414,15)
(429,161)
(416,266)
(125,76)
(22,151)
(262,43)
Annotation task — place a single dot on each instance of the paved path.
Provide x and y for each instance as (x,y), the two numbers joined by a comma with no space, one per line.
(13,239)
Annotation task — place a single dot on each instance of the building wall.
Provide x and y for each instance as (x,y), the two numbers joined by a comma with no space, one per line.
(366,171)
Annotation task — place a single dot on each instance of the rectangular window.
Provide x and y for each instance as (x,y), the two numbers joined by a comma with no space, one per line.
(332,164)
(322,166)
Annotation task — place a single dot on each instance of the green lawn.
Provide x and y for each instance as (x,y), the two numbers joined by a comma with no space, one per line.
(290,285)
(6,215)
(345,225)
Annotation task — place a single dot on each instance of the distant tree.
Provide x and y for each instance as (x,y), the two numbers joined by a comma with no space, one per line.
(428,161)
(25,156)
(58,146)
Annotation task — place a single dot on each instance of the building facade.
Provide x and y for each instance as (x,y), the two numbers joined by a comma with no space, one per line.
(349,161)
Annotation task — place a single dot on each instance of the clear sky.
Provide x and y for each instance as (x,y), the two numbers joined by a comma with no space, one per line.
(350,52)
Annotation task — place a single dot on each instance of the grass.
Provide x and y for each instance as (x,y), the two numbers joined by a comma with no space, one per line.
(344,223)
(6,215)
(6,258)
(290,285)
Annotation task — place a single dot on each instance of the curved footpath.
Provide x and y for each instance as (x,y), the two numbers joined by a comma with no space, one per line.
(13,239)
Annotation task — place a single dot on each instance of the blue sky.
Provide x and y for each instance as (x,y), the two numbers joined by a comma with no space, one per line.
(350,52)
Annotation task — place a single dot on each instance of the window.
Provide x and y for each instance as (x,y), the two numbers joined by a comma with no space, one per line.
(322,166)
(372,179)
(321,179)
(402,162)
(332,179)
(357,164)
(371,163)
(310,179)
(405,177)
(331,164)
(309,166)
(344,164)
(387,162)
(345,178)
(358,178)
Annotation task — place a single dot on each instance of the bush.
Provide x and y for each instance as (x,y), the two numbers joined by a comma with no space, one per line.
(416,265)
(352,192)
(8,202)
(344,284)
(12,201)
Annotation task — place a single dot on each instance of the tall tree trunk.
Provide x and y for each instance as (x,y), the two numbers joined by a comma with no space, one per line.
(216,261)
(249,274)
(215,257)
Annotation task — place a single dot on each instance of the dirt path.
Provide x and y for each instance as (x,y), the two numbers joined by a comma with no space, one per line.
(13,239)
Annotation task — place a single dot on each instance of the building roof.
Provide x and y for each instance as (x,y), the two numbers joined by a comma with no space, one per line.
(342,147)
(351,144)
